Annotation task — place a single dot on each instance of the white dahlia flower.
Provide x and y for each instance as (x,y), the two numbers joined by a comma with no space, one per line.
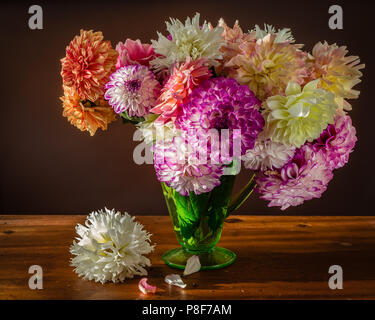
(282,35)
(191,39)
(110,247)
(267,155)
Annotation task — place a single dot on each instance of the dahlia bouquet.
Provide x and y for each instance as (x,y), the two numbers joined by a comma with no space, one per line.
(208,98)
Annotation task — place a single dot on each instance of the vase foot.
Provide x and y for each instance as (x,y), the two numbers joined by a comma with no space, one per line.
(218,258)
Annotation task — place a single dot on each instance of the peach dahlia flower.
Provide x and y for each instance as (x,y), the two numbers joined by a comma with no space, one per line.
(184,78)
(267,66)
(233,38)
(87,65)
(338,73)
(85,115)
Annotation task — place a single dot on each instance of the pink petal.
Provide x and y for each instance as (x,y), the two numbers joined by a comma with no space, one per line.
(145,288)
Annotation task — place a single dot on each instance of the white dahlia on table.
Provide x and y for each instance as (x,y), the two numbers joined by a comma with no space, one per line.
(110,247)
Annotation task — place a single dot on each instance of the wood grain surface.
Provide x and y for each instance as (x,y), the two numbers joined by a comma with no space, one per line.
(284,257)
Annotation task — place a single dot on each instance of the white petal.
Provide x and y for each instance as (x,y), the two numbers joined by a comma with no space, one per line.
(174,280)
(192,265)
(292,88)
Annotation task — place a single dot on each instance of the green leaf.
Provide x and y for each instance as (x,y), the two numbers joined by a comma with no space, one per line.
(220,198)
(127,119)
(187,219)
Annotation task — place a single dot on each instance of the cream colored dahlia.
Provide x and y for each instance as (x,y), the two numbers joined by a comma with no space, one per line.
(87,65)
(266,66)
(192,39)
(110,247)
(86,115)
(299,116)
(338,73)
(153,131)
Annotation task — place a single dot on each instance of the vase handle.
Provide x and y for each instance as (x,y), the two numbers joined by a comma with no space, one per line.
(241,196)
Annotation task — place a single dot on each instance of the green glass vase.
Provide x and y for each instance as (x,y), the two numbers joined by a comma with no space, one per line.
(198,222)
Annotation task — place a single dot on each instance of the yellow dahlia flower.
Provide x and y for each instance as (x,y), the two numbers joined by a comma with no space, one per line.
(338,73)
(266,65)
(299,116)
(86,115)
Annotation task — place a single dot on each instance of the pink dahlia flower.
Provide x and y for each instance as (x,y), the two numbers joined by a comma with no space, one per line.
(184,78)
(178,164)
(222,103)
(134,52)
(88,63)
(337,141)
(305,177)
(133,89)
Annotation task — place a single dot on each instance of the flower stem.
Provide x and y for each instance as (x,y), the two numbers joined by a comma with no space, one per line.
(242,196)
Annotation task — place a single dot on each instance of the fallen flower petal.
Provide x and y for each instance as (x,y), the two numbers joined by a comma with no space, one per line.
(145,287)
(174,280)
(192,265)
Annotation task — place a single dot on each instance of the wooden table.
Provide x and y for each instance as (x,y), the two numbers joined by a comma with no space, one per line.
(279,257)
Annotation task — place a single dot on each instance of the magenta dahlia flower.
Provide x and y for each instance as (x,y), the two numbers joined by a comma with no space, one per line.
(305,177)
(178,163)
(133,89)
(221,103)
(337,141)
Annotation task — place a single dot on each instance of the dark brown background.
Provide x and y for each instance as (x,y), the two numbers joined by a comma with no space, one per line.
(50,167)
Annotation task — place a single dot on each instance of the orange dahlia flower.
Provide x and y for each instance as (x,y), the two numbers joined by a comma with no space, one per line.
(86,115)
(87,65)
